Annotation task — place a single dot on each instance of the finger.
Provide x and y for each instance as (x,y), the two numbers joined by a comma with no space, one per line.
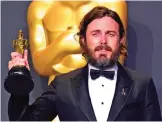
(26,59)
(9,65)
(23,62)
(26,54)
(19,62)
(15,54)
(16,59)
(12,64)
(27,65)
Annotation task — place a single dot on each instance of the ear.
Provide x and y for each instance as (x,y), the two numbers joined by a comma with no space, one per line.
(83,42)
(122,40)
(123,46)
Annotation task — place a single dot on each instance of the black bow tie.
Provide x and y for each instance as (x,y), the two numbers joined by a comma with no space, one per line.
(97,73)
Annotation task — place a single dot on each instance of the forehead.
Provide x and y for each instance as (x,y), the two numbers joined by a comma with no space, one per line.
(104,23)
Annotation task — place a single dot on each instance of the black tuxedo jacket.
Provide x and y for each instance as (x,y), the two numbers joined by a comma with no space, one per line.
(68,98)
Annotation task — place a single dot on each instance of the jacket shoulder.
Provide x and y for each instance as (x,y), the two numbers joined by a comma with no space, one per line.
(138,77)
(67,76)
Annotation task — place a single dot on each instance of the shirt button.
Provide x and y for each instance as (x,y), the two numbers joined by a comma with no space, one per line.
(102,85)
(102,103)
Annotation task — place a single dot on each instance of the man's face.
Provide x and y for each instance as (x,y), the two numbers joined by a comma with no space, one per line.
(102,41)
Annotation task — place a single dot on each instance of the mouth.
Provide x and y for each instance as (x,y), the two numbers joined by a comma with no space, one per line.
(103,52)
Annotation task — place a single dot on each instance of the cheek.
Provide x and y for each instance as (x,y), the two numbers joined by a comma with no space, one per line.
(113,44)
(92,42)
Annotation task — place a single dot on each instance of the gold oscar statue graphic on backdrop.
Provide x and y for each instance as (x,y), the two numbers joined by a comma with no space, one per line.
(52,25)
(19,81)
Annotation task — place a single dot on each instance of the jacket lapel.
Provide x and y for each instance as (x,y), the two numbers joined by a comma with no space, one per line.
(80,89)
(123,89)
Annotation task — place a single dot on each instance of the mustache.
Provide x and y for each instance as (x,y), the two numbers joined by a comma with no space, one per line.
(103,47)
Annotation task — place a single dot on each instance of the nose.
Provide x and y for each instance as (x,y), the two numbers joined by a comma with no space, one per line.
(103,39)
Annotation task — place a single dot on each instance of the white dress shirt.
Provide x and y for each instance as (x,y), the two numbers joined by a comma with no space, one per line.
(101,92)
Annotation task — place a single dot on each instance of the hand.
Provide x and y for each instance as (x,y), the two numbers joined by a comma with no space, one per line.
(18,59)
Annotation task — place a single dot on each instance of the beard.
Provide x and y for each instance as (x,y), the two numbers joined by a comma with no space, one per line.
(102,61)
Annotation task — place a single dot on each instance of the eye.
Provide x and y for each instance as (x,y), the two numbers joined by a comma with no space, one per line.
(95,34)
(111,34)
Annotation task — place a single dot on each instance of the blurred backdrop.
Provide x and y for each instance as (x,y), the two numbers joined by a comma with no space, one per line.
(144,43)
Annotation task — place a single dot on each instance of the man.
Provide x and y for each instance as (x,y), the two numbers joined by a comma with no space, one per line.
(103,90)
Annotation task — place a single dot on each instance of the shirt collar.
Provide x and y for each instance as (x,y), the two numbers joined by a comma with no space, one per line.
(114,68)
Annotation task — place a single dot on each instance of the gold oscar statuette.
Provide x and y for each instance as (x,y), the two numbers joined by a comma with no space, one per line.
(19,80)
(20,44)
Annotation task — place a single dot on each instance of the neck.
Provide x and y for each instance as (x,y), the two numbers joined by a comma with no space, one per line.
(103,67)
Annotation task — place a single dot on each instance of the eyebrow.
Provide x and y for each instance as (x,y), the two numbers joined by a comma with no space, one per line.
(94,31)
(109,31)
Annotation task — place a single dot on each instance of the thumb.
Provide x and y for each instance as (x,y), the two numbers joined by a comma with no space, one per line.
(26,55)
(27,65)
